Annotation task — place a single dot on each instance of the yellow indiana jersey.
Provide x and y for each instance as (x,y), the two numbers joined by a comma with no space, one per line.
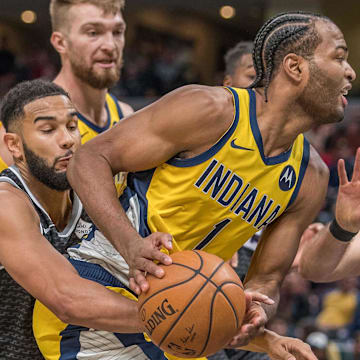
(3,164)
(217,200)
(88,130)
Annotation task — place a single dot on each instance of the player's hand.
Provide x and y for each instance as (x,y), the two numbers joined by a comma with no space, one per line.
(254,320)
(234,261)
(348,200)
(286,348)
(140,256)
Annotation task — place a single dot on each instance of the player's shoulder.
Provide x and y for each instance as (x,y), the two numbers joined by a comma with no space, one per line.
(317,168)
(203,102)
(15,202)
(314,185)
(125,108)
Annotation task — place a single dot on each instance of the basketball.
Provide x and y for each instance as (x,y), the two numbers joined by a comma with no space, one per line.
(196,308)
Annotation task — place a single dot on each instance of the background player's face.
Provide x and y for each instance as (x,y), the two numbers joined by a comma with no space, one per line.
(329,78)
(50,136)
(95,45)
(244,73)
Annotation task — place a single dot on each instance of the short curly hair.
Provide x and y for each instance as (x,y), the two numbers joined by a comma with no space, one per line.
(13,103)
(59,8)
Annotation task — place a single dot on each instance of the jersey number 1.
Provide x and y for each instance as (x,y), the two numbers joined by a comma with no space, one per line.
(217,228)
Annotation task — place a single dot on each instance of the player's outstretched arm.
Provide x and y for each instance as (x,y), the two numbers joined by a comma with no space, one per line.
(278,246)
(48,276)
(183,122)
(280,347)
(339,252)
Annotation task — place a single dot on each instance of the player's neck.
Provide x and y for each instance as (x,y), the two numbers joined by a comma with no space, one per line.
(280,122)
(90,102)
(57,204)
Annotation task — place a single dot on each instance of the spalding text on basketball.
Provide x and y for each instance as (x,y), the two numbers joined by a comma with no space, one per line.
(161,313)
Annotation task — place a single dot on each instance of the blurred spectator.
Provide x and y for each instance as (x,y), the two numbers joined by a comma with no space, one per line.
(356,347)
(7,67)
(323,348)
(339,308)
(156,64)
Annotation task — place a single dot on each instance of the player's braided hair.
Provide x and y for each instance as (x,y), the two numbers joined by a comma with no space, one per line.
(292,32)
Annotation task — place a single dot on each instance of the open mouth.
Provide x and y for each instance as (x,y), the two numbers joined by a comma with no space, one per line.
(106,63)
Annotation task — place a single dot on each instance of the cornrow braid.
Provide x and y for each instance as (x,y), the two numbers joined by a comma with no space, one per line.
(284,33)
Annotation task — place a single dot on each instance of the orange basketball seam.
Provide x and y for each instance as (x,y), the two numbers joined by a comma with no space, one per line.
(190,302)
(219,291)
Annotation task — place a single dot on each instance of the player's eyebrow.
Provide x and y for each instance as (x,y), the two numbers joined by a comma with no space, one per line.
(47,118)
(52,118)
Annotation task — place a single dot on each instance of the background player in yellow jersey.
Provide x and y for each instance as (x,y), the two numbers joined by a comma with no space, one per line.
(89,37)
(302,77)
(5,157)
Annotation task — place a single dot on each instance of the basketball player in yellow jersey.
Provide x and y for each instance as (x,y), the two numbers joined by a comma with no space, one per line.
(5,157)
(89,37)
(211,166)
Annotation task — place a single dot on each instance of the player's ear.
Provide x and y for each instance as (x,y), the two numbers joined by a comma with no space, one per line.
(14,145)
(227,80)
(294,67)
(58,41)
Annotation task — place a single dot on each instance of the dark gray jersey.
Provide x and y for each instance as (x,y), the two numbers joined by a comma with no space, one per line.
(16,305)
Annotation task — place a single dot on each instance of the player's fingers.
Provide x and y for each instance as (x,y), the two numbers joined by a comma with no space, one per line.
(256,296)
(134,286)
(239,340)
(140,280)
(163,239)
(356,171)
(343,179)
(316,227)
(279,353)
(161,257)
(150,267)
(302,351)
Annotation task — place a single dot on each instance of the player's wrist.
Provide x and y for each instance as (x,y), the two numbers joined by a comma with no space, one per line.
(340,233)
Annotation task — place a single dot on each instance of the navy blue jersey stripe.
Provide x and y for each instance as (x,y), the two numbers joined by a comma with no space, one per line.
(119,111)
(98,274)
(149,349)
(303,167)
(273,160)
(196,160)
(137,186)
(70,342)
(96,128)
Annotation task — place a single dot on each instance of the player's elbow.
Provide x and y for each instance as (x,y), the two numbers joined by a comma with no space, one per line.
(66,304)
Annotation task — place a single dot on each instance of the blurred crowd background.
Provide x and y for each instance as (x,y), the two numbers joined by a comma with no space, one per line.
(171,43)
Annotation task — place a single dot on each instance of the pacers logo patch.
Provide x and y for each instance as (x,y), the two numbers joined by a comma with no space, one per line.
(287,178)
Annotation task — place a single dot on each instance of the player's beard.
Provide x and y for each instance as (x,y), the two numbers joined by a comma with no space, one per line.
(46,174)
(320,97)
(102,79)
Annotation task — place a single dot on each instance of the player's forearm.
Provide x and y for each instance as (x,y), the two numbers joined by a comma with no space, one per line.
(268,287)
(321,256)
(90,175)
(92,305)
